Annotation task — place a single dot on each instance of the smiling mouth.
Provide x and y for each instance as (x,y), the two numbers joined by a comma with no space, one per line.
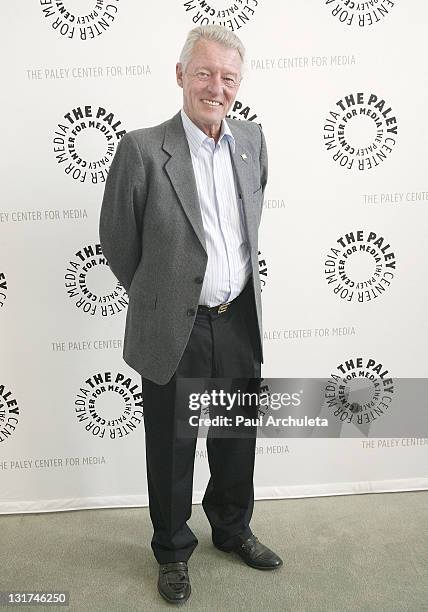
(212,102)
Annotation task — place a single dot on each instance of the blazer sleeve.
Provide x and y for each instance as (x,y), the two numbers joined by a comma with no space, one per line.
(122,211)
(263,161)
(263,167)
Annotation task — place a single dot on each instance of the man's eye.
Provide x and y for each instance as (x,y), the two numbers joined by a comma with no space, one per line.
(202,75)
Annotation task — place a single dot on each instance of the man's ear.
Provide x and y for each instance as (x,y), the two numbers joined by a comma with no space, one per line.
(179,73)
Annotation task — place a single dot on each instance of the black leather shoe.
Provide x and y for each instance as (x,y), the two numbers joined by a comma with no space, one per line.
(173,583)
(255,554)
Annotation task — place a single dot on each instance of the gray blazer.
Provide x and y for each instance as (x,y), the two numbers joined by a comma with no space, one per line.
(152,235)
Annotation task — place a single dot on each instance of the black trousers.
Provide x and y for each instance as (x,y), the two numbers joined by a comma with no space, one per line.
(221,346)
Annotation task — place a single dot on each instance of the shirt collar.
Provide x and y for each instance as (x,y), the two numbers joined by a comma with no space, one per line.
(195,136)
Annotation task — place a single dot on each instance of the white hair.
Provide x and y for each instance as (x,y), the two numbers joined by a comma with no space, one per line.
(218,34)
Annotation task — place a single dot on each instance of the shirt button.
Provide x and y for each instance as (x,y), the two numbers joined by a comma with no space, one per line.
(191,312)
(199,280)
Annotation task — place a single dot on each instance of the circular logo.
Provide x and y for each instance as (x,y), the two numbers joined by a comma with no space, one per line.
(229,14)
(360,267)
(91,285)
(360,14)
(359,391)
(84,143)
(3,289)
(80,19)
(9,413)
(361,132)
(109,405)
(263,273)
(242,111)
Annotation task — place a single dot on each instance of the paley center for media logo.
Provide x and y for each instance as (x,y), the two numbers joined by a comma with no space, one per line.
(361,131)
(97,18)
(361,14)
(109,405)
(9,413)
(91,285)
(242,111)
(85,141)
(3,289)
(359,391)
(229,14)
(263,271)
(360,267)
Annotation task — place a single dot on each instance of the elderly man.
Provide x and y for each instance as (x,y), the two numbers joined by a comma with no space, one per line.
(179,227)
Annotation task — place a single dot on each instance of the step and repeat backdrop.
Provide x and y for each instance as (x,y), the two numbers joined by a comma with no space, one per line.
(340,90)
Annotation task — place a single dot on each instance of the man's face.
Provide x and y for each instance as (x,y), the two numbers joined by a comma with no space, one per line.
(210,83)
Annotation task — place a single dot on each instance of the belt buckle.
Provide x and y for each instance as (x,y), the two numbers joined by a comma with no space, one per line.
(222,308)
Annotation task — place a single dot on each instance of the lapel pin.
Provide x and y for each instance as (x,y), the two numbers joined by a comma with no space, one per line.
(244,157)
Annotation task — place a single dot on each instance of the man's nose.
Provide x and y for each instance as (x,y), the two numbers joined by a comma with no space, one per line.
(215,84)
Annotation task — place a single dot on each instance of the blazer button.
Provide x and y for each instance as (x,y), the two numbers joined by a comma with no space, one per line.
(191,312)
(199,280)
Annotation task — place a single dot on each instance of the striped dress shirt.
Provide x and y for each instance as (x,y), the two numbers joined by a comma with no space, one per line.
(226,236)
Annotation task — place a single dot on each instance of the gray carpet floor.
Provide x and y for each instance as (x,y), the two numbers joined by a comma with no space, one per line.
(354,552)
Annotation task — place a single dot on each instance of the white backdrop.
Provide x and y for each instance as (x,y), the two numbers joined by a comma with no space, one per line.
(78,74)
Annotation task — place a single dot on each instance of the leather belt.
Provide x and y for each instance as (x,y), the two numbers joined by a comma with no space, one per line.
(220,309)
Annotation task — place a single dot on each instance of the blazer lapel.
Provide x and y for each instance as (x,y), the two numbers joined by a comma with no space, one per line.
(243,166)
(180,171)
